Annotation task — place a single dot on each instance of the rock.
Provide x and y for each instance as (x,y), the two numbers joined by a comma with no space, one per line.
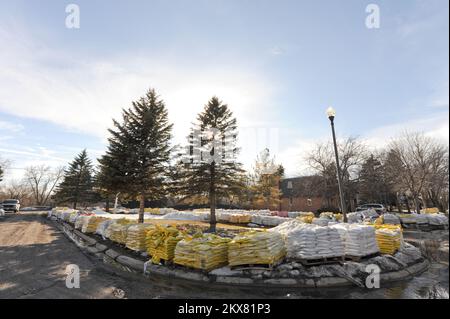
(267,274)
(285,267)
(295,273)
(258,277)
(112,253)
(132,263)
(225,271)
(296,265)
(101,247)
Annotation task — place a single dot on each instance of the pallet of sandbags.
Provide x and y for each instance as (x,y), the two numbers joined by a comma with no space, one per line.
(437,219)
(90,224)
(103,226)
(117,232)
(311,242)
(136,236)
(391,219)
(161,242)
(430,210)
(204,252)
(389,238)
(358,240)
(256,248)
(80,221)
(408,218)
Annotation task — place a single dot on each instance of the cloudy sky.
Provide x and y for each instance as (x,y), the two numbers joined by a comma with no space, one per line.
(277,64)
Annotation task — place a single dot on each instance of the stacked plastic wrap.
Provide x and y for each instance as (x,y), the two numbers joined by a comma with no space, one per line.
(90,224)
(389,238)
(161,242)
(322,221)
(268,220)
(391,219)
(354,218)
(206,252)
(437,219)
(430,210)
(117,231)
(136,236)
(307,241)
(408,218)
(79,222)
(358,240)
(103,226)
(256,247)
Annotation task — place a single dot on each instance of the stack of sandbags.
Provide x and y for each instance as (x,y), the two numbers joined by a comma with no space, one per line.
(328,215)
(437,219)
(205,252)
(294,214)
(306,219)
(256,247)
(421,219)
(136,236)
(238,218)
(320,221)
(408,218)
(430,210)
(391,219)
(354,218)
(358,240)
(80,221)
(90,224)
(161,242)
(307,241)
(389,238)
(73,217)
(103,226)
(117,232)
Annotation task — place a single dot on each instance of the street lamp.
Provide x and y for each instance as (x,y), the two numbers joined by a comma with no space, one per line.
(331,113)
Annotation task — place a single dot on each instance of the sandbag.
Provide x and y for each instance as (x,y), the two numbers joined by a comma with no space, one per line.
(205,252)
(256,247)
(161,242)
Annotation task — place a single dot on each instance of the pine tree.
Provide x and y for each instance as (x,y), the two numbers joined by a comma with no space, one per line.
(77,184)
(266,181)
(212,168)
(136,161)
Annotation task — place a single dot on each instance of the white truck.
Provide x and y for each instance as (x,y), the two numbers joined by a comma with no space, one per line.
(10,205)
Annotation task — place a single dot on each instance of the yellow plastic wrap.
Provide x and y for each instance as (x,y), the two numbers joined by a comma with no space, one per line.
(161,242)
(118,232)
(240,218)
(256,247)
(136,236)
(306,219)
(90,224)
(430,210)
(338,216)
(206,252)
(389,238)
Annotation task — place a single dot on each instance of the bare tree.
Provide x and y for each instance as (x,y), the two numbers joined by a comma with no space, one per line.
(415,161)
(42,181)
(18,190)
(352,153)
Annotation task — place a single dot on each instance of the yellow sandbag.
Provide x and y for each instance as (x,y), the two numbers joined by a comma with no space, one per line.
(306,219)
(161,242)
(256,247)
(389,238)
(206,252)
(118,232)
(430,210)
(90,224)
(136,236)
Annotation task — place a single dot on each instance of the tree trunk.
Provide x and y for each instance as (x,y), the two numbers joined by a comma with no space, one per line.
(74,205)
(107,205)
(141,208)
(416,204)
(212,199)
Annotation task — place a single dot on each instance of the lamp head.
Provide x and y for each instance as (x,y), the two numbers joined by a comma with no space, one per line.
(331,113)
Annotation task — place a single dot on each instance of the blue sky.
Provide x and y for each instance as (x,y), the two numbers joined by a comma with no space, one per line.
(278,64)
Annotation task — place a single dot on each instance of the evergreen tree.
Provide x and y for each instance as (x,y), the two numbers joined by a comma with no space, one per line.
(374,185)
(137,158)
(212,169)
(77,184)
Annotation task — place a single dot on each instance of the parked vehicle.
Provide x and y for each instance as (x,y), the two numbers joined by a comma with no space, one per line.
(379,208)
(11,205)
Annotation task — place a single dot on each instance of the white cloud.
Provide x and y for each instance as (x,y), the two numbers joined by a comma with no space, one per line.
(85,95)
(11,127)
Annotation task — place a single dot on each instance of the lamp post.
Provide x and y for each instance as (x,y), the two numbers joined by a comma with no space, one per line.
(331,113)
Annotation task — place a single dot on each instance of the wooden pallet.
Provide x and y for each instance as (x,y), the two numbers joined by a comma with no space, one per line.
(359,258)
(255,266)
(321,261)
